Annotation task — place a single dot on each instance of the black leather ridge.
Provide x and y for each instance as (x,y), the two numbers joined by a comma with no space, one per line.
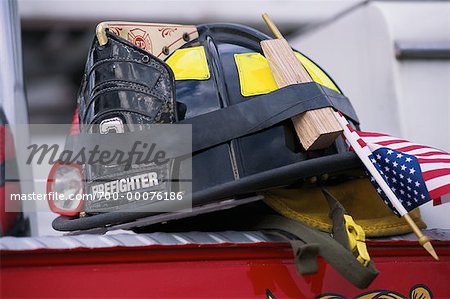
(129,77)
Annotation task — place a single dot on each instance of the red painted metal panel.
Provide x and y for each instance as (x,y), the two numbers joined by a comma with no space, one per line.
(225,270)
(8,207)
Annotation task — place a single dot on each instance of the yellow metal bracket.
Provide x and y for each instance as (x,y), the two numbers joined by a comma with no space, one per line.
(357,240)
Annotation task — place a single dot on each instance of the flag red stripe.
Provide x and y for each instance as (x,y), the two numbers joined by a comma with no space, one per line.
(431,174)
(433,154)
(411,148)
(371,134)
(441,160)
(361,143)
(350,128)
(438,192)
(437,201)
(389,142)
(430,151)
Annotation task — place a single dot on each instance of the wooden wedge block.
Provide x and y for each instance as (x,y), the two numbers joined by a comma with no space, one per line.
(316,129)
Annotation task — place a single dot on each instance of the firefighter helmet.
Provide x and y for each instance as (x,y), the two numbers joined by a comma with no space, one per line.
(215,78)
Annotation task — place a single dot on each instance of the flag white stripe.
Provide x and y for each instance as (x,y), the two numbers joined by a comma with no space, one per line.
(419,151)
(424,151)
(433,157)
(373,146)
(433,166)
(437,182)
(400,145)
(379,139)
(355,134)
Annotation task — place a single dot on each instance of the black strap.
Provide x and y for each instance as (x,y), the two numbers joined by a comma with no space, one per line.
(253,115)
(336,215)
(339,257)
(305,257)
(335,250)
(264,111)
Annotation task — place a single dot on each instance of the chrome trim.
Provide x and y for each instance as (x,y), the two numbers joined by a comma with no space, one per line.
(422,50)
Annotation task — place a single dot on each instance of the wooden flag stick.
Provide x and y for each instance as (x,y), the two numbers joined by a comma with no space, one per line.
(363,153)
(318,128)
(423,240)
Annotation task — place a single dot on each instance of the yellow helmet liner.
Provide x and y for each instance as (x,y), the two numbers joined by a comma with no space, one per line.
(358,197)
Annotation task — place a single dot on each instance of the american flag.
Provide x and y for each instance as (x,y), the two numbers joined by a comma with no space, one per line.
(414,173)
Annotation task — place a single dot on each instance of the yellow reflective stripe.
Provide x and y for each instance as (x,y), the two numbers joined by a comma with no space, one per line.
(357,240)
(255,76)
(189,64)
(316,73)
